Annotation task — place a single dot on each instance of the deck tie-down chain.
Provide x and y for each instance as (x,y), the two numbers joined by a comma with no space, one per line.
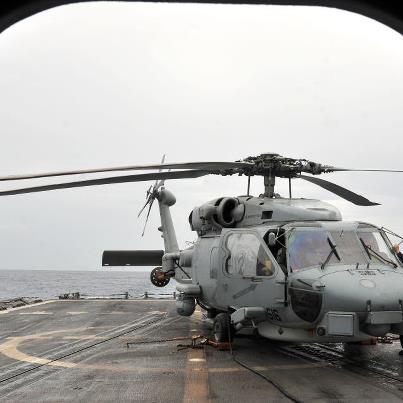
(387,339)
(199,341)
(196,342)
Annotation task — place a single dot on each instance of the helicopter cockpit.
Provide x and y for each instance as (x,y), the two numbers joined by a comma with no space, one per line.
(330,245)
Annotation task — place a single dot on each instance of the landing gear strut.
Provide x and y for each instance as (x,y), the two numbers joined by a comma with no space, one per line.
(158,277)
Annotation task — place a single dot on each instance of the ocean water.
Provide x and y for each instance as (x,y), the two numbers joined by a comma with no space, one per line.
(47,284)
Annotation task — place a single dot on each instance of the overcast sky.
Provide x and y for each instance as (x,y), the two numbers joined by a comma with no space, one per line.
(91,85)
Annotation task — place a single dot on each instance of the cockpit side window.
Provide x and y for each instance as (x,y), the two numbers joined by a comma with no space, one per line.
(374,241)
(247,256)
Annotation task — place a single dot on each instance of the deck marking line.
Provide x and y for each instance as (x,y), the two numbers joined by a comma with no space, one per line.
(76,312)
(36,313)
(11,347)
(8,310)
(196,377)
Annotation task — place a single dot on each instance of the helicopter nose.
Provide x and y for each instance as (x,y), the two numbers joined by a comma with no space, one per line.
(363,290)
(374,295)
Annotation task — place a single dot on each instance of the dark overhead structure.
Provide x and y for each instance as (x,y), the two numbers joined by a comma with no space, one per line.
(132,257)
(388,12)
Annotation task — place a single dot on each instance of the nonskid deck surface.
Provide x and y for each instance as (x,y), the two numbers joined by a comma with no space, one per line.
(76,351)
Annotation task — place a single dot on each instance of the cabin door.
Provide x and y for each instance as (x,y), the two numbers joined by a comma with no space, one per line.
(249,273)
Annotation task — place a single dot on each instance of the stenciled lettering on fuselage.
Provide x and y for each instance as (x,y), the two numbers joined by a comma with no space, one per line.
(272,314)
(244,291)
(367,272)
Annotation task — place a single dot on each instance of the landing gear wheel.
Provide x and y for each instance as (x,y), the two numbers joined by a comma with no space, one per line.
(223,331)
(158,277)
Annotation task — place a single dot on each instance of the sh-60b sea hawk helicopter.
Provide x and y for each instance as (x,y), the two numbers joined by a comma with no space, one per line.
(289,267)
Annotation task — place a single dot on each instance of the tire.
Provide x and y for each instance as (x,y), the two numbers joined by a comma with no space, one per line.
(223,331)
(211,314)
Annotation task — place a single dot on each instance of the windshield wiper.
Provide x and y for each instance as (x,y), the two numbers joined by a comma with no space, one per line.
(331,253)
(371,251)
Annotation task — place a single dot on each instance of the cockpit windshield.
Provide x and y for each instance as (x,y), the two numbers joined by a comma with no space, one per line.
(309,247)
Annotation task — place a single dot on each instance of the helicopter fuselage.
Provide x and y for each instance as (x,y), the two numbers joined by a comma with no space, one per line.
(292,285)
(340,301)
(290,268)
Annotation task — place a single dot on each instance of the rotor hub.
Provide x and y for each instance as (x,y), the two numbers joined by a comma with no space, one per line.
(271,164)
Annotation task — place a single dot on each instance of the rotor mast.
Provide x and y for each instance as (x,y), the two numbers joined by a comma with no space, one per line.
(269,183)
(269,177)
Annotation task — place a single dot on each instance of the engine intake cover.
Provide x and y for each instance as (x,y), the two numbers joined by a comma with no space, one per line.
(225,212)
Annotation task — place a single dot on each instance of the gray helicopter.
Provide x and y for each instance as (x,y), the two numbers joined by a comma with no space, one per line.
(290,268)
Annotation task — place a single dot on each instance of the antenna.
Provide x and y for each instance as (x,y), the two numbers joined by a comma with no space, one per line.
(289,188)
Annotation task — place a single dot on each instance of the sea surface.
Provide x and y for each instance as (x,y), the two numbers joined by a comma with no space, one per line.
(48,284)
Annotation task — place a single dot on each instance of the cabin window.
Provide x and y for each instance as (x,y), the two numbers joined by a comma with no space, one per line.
(247,256)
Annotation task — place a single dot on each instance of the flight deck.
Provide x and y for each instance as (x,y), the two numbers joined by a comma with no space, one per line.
(141,351)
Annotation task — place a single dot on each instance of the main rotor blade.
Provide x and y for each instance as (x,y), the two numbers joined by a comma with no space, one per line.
(335,169)
(211,166)
(108,181)
(339,191)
